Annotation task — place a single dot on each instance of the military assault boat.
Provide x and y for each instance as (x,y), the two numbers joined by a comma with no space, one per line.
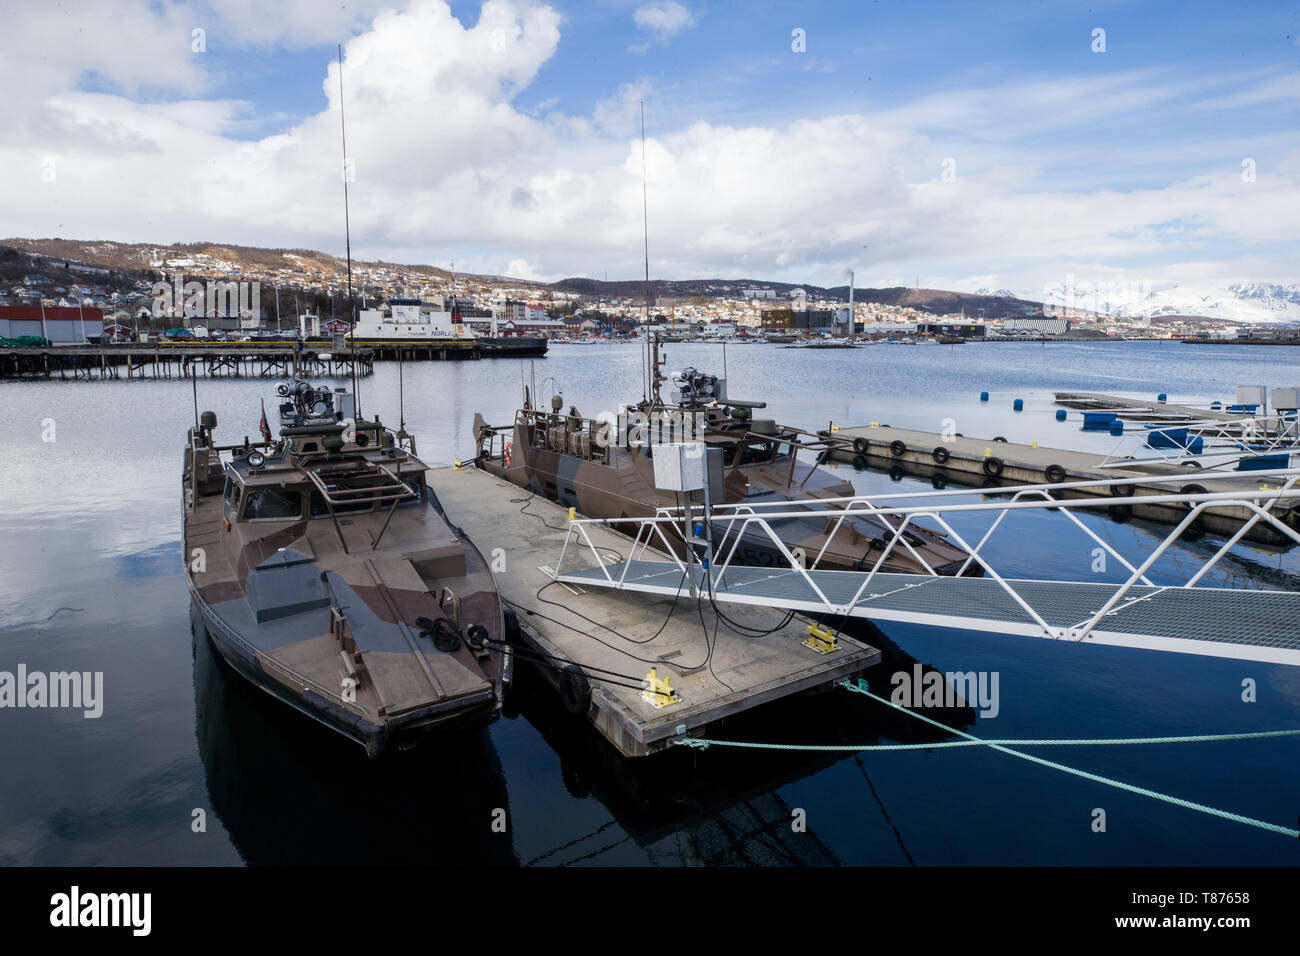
(605,469)
(325,572)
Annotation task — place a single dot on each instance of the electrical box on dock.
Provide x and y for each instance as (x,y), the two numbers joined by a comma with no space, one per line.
(1251,395)
(1286,399)
(679,466)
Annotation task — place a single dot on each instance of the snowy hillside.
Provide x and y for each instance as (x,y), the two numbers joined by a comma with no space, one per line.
(1250,303)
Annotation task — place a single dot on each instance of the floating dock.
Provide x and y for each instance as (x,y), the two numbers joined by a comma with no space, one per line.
(1132,409)
(991,462)
(579,628)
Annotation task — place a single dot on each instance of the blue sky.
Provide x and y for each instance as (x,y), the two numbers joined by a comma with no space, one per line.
(1137,151)
(734,65)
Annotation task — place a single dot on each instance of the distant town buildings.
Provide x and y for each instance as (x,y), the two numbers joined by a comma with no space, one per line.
(293,283)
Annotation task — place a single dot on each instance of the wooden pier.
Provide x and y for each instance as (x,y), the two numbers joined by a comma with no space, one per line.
(165,361)
(628,634)
(994,463)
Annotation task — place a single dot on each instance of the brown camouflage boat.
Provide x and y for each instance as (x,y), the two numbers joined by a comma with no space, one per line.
(325,571)
(604,468)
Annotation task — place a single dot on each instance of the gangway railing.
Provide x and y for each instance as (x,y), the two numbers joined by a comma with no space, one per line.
(1069,610)
(1220,441)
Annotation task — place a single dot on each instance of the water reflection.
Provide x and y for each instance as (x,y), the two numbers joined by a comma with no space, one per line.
(723,806)
(290,792)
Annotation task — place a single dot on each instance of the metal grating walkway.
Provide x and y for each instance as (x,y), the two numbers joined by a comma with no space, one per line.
(1218,622)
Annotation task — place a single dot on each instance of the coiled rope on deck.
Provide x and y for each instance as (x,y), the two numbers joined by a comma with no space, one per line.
(1002,745)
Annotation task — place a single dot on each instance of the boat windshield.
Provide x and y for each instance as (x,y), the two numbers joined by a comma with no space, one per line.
(751,453)
(272,505)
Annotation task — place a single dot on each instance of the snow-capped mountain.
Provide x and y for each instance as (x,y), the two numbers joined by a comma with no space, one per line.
(1247,303)
(1003,293)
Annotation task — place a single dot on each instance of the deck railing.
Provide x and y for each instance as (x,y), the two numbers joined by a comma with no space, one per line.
(1214,441)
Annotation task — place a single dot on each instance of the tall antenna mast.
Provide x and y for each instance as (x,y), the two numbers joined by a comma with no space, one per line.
(347,234)
(645,221)
(347,224)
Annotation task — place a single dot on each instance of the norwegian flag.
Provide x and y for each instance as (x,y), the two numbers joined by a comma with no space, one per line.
(262,426)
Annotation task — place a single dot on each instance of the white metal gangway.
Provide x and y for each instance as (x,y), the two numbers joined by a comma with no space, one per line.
(1210,443)
(1261,625)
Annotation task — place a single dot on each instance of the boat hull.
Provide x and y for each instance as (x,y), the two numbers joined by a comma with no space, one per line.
(512,346)
(375,737)
(601,492)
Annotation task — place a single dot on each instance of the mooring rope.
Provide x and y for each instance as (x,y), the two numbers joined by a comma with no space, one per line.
(1002,746)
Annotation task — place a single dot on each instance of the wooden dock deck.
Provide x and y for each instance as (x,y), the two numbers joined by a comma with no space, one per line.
(968,462)
(741,673)
(1132,409)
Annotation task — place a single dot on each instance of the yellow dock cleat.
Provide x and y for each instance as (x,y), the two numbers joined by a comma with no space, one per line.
(821,639)
(658,691)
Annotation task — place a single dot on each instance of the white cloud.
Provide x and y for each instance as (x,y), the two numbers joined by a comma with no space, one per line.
(621,112)
(288,23)
(449,167)
(665,19)
(520,269)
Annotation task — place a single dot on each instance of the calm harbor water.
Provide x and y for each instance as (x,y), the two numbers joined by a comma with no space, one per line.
(91,579)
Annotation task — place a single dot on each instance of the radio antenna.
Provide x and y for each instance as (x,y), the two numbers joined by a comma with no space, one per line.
(347,238)
(645,222)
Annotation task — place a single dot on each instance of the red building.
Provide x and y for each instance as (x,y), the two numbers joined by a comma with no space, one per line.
(56,323)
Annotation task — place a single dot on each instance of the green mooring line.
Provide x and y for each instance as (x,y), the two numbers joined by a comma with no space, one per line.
(1000,745)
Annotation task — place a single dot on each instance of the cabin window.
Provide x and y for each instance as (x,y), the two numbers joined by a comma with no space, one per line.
(750,454)
(272,505)
(231,497)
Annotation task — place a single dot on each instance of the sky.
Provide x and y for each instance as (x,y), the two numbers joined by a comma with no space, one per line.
(956,145)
